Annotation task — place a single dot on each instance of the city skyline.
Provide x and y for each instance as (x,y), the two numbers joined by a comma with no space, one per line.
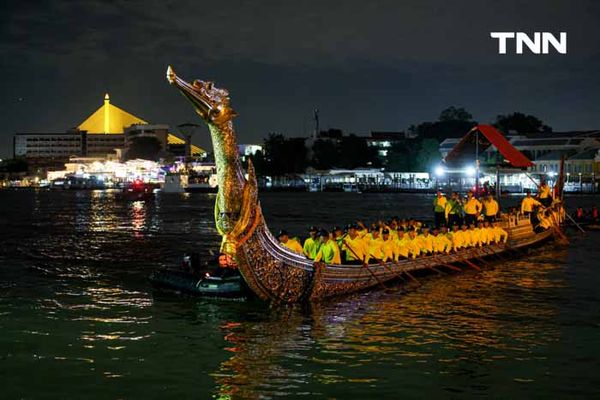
(366,67)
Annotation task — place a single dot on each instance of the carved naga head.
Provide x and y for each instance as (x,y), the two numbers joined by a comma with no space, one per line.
(210,102)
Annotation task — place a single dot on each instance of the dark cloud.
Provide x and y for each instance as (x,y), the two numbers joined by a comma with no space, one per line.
(366,65)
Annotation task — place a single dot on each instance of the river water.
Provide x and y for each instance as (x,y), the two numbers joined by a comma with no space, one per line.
(78,318)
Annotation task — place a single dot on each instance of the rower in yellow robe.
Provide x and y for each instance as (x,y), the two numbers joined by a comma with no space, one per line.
(456,237)
(474,236)
(482,234)
(329,252)
(466,238)
(413,244)
(388,245)
(441,243)
(401,245)
(500,235)
(311,244)
(375,245)
(426,241)
(355,247)
(292,244)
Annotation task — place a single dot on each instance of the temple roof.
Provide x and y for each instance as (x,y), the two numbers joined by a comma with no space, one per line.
(490,136)
(172,139)
(109,119)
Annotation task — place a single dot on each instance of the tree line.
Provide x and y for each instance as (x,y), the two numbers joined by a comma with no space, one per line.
(417,151)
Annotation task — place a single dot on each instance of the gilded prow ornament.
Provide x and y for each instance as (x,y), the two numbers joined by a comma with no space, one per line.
(274,272)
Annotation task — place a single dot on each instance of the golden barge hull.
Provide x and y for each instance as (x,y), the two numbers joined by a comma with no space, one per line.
(278,275)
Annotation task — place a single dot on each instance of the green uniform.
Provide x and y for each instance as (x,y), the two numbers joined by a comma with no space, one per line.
(311,247)
(329,253)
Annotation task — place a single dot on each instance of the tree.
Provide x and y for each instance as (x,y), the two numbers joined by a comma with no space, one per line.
(284,155)
(521,123)
(398,157)
(145,147)
(354,152)
(14,165)
(325,154)
(452,123)
(428,155)
(455,114)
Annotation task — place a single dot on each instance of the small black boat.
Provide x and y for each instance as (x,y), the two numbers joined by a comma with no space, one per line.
(229,285)
(202,280)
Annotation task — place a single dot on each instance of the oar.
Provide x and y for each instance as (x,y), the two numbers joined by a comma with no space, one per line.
(365,265)
(452,267)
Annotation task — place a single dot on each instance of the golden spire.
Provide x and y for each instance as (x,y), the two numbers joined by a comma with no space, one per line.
(106,113)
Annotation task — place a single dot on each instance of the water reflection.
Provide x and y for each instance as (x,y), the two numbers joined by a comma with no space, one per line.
(455,326)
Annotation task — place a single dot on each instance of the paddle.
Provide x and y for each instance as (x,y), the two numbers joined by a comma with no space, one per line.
(364,264)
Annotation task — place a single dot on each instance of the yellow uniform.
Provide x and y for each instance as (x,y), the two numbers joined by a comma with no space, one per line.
(491,207)
(544,191)
(356,249)
(375,247)
(401,248)
(467,238)
(472,206)
(387,249)
(484,236)
(500,235)
(329,253)
(439,204)
(426,243)
(528,203)
(414,247)
(475,237)
(441,244)
(294,246)
(311,247)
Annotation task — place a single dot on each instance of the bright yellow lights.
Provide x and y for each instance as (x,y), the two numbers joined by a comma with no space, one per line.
(109,119)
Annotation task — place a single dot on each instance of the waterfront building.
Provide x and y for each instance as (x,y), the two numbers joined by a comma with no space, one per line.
(102,134)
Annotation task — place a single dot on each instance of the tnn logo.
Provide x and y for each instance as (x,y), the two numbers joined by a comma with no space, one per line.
(540,44)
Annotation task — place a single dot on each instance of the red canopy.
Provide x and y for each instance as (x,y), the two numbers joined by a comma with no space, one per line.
(490,136)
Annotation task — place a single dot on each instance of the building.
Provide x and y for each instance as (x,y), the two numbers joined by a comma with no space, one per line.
(383,141)
(106,133)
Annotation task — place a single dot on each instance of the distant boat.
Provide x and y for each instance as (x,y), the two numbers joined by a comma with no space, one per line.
(138,190)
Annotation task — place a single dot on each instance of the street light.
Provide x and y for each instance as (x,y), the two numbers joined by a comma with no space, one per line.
(439,171)
(470,170)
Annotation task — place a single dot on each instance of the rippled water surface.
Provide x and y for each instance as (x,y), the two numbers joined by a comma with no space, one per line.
(78,318)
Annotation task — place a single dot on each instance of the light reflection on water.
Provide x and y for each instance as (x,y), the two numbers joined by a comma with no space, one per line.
(75,302)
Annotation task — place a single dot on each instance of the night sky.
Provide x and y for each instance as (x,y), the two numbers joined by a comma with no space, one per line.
(367,65)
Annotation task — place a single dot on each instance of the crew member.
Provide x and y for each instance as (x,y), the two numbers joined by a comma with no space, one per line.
(439,209)
(291,244)
(457,238)
(472,208)
(387,247)
(441,243)
(500,235)
(528,203)
(426,241)
(329,252)
(311,244)
(375,245)
(401,245)
(467,239)
(356,250)
(545,194)
(454,209)
(414,245)
(491,208)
